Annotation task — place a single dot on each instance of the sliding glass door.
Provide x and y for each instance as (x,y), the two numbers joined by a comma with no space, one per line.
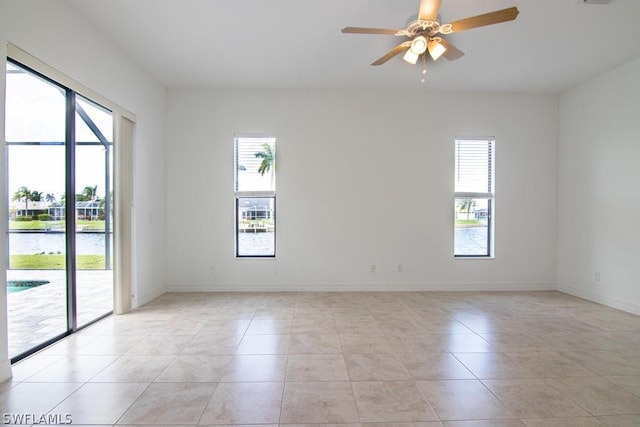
(94,219)
(59,182)
(36,179)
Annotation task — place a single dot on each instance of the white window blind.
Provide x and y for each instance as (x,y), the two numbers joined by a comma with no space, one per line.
(474,168)
(255,165)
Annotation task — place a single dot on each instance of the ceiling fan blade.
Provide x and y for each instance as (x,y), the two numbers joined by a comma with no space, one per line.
(429,9)
(490,18)
(452,53)
(393,52)
(363,30)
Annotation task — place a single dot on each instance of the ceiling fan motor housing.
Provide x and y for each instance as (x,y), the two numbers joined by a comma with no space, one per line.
(426,28)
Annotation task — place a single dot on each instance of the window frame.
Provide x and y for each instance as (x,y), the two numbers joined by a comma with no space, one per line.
(488,195)
(251,194)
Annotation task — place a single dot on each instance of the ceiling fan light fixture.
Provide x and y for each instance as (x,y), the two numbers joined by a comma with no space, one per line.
(411,57)
(419,45)
(436,49)
(417,48)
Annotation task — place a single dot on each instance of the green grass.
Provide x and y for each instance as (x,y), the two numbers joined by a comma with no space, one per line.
(54,262)
(57,225)
(467,222)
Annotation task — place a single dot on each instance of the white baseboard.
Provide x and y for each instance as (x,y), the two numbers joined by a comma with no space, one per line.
(142,299)
(359,287)
(599,298)
(5,370)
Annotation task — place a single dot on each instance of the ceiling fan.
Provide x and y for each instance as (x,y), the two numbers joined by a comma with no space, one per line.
(423,33)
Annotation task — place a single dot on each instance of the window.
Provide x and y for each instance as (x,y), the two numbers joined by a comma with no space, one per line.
(474,195)
(255,196)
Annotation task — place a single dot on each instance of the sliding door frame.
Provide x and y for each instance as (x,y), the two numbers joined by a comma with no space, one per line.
(123,164)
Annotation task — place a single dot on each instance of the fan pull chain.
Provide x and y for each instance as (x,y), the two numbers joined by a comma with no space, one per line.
(424,68)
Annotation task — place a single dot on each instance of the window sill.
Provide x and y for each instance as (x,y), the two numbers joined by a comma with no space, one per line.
(265,257)
(474,257)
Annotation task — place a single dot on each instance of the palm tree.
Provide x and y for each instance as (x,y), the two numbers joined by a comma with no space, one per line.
(22,193)
(467,204)
(88,193)
(268,160)
(50,198)
(36,196)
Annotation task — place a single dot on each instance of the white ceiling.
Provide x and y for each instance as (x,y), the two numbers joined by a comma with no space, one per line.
(297,44)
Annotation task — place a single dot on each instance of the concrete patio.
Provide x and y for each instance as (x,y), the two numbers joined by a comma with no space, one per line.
(38,314)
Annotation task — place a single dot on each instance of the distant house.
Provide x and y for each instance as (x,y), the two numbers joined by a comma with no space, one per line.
(91,210)
(481,214)
(256,208)
(56,210)
(255,215)
(31,209)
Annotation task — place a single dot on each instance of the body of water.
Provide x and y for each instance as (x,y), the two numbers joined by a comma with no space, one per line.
(256,244)
(471,241)
(468,241)
(14,286)
(35,243)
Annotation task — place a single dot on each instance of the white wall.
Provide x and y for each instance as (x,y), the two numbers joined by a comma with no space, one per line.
(54,33)
(599,196)
(363,178)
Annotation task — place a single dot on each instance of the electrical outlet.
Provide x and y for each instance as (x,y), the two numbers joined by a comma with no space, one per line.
(373,268)
(400,268)
(212,269)
(597,276)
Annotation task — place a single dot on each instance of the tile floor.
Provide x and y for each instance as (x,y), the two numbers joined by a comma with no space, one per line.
(355,359)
